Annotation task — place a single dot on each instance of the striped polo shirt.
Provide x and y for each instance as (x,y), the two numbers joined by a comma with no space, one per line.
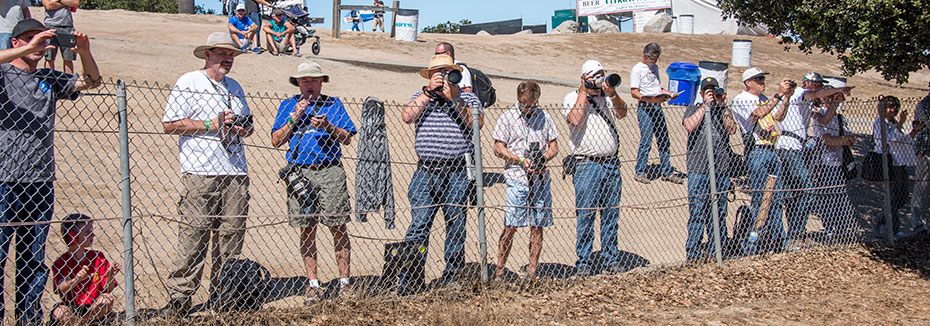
(439,135)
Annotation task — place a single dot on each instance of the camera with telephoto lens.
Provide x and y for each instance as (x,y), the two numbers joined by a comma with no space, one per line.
(244,121)
(453,76)
(535,155)
(719,91)
(613,80)
(297,185)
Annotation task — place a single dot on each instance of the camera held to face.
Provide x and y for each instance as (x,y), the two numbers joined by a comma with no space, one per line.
(535,155)
(452,76)
(613,80)
(792,84)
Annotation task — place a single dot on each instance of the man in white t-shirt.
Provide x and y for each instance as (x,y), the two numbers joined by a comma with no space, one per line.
(203,108)
(646,87)
(834,207)
(447,49)
(593,140)
(789,147)
(754,113)
(11,12)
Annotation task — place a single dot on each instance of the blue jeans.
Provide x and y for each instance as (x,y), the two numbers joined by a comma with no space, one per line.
(652,123)
(797,203)
(5,40)
(26,202)
(834,207)
(762,163)
(428,188)
(701,218)
(597,185)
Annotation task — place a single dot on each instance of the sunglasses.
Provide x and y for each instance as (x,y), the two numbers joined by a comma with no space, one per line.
(758,79)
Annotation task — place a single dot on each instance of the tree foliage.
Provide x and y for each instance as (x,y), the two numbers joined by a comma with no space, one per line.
(890,36)
(446,28)
(167,6)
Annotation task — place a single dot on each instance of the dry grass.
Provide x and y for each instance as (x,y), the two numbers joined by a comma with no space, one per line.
(866,284)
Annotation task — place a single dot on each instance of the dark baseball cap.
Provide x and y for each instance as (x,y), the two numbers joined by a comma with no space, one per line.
(709,82)
(27,25)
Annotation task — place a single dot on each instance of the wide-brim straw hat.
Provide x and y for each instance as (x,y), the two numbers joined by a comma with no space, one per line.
(439,61)
(220,40)
(308,69)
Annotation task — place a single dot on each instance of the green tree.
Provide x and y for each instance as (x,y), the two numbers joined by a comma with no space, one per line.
(446,28)
(166,6)
(890,36)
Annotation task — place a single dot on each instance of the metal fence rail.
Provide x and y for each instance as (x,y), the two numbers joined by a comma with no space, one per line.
(115,163)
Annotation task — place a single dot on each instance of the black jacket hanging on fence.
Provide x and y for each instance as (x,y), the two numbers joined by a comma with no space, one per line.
(373,184)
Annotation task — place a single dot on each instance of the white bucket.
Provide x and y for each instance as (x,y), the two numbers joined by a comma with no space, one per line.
(718,70)
(742,53)
(405,29)
(686,24)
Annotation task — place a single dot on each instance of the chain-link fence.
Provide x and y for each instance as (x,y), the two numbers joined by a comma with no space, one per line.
(144,164)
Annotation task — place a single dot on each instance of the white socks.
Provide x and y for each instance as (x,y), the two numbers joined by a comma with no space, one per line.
(343,281)
(314,283)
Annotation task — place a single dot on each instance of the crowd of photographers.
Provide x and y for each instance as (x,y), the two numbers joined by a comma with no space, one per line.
(208,111)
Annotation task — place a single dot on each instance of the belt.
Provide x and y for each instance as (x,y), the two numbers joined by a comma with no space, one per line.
(319,166)
(595,159)
(766,146)
(454,163)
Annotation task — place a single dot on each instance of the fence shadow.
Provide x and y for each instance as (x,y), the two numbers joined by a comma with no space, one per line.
(909,254)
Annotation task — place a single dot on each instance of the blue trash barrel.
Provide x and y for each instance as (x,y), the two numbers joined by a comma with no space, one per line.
(683,77)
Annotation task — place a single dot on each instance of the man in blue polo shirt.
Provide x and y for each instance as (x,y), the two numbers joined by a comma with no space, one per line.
(314,126)
(442,115)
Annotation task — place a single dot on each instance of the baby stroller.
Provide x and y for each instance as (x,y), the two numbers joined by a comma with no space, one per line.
(299,17)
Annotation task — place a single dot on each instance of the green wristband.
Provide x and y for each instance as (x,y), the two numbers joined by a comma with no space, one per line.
(207,123)
(290,121)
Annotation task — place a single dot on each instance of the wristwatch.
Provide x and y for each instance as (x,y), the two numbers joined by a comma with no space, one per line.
(777,96)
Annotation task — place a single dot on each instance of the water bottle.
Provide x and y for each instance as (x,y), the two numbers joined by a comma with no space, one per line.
(752,240)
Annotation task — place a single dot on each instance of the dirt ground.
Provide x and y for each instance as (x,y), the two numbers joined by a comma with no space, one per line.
(152,50)
(860,285)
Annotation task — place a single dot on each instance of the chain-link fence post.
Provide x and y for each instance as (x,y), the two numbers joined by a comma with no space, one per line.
(479,194)
(712,172)
(127,202)
(886,184)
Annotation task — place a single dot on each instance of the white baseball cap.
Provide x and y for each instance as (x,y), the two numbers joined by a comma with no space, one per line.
(240,6)
(753,72)
(591,66)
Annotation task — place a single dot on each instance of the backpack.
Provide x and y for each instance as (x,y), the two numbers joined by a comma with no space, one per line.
(481,86)
(242,286)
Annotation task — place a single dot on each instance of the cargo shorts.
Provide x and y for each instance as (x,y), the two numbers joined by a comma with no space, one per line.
(328,202)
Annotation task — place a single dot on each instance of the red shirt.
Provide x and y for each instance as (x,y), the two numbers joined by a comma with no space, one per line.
(84,292)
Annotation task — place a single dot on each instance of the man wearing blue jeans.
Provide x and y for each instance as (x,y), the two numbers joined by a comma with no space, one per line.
(646,87)
(754,112)
(27,168)
(442,115)
(700,196)
(594,140)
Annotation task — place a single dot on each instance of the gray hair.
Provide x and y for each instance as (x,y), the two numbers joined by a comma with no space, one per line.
(652,49)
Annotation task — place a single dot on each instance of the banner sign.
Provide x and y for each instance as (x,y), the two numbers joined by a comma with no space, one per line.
(600,7)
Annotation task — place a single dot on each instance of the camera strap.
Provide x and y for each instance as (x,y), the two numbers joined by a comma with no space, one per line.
(607,120)
(228,140)
(303,128)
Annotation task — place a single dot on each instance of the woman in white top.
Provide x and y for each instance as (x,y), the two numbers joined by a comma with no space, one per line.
(901,147)
(832,203)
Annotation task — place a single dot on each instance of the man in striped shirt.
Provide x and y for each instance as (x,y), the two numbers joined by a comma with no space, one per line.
(442,115)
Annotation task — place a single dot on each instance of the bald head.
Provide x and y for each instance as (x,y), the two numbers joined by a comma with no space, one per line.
(445,48)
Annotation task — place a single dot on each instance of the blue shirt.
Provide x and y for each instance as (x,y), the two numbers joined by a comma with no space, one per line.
(315,146)
(440,136)
(241,24)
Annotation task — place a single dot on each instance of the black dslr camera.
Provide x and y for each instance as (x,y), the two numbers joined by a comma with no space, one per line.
(297,185)
(792,84)
(244,121)
(613,80)
(453,76)
(535,155)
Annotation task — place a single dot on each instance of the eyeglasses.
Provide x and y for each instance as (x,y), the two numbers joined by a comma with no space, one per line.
(758,79)
(444,52)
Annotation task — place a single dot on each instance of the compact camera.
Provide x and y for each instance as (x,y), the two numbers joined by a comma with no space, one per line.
(613,80)
(535,155)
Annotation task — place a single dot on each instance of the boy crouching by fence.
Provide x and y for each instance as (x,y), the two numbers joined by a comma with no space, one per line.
(525,137)
(82,276)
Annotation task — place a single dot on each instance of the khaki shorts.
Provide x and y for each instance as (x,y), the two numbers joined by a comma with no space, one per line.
(283,45)
(330,198)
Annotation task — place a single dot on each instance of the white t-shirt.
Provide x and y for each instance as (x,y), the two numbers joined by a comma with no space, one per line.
(900,144)
(646,79)
(466,75)
(11,12)
(593,137)
(743,105)
(830,157)
(797,120)
(197,97)
(517,131)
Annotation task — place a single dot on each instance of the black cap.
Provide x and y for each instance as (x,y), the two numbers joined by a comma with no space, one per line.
(27,25)
(709,82)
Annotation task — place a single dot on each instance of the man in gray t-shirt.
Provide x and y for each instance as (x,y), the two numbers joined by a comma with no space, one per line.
(27,165)
(58,17)
(721,127)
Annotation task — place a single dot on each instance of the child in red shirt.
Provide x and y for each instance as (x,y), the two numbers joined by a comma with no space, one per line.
(82,276)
